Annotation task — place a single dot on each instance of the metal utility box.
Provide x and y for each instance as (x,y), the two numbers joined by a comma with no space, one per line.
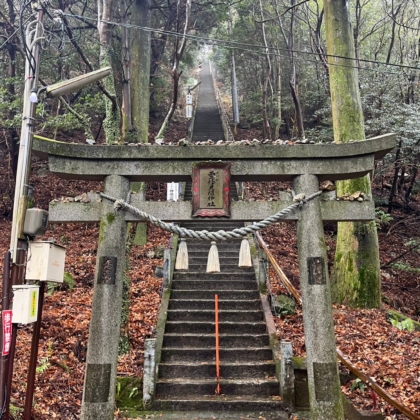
(36,222)
(45,262)
(25,303)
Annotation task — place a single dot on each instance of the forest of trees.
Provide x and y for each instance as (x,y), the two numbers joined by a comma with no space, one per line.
(279,48)
(281,43)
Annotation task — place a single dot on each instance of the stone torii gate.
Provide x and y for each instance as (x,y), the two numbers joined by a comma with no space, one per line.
(305,165)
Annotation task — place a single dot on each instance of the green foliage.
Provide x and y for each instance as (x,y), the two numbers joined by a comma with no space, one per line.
(358,384)
(405,267)
(15,411)
(406,324)
(133,392)
(10,108)
(382,218)
(88,106)
(68,281)
(44,363)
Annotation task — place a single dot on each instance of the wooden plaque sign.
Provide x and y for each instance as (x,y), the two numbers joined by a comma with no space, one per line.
(210,188)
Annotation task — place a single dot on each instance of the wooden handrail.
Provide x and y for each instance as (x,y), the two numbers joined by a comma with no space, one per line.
(278,270)
(216,309)
(377,388)
(362,376)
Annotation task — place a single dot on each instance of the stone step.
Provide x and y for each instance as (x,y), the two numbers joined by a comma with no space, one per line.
(206,304)
(200,315)
(206,132)
(200,354)
(212,125)
(201,259)
(179,387)
(225,276)
(188,327)
(229,266)
(209,294)
(230,249)
(263,408)
(207,370)
(228,340)
(216,284)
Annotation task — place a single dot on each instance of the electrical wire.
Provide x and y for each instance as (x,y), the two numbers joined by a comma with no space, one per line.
(13,34)
(240,46)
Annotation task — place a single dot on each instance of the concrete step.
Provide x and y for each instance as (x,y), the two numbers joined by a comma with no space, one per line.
(209,294)
(200,315)
(201,259)
(264,408)
(207,370)
(228,340)
(209,131)
(202,249)
(200,354)
(231,252)
(225,276)
(225,266)
(216,284)
(186,327)
(180,388)
(206,304)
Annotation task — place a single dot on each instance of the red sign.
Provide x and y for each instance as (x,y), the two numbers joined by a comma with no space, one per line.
(6,317)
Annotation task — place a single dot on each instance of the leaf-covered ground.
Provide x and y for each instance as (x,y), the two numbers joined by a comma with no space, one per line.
(382,351)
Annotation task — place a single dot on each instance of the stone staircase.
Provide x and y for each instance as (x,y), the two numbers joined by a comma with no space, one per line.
(207,121)
(187,370)
(186,379)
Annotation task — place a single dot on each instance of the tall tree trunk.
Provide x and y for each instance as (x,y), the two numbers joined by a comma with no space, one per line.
(293,83)
(112,121)
(356,266)
(278,69)
(126,83)
(266,123)
(397,165)
(178,52)
(140,70)
(235,101)
(12,135)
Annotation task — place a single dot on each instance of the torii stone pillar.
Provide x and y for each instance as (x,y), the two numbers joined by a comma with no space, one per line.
(323,379)
(101,369)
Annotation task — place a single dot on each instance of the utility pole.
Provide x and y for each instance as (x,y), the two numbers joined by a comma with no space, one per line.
(34,35)
(18,243)
(235,102)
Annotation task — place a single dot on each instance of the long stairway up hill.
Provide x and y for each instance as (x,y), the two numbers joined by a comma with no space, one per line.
(207,122)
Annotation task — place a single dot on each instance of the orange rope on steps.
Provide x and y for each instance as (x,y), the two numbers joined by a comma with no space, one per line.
(216,303)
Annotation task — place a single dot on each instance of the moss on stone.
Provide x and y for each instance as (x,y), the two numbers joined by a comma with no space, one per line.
(110,217)
(129,394)
(299,363)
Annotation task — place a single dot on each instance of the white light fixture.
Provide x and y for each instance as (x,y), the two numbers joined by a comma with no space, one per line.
(34,97)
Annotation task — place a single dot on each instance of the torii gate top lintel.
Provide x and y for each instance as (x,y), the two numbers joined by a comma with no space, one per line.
(174,163)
